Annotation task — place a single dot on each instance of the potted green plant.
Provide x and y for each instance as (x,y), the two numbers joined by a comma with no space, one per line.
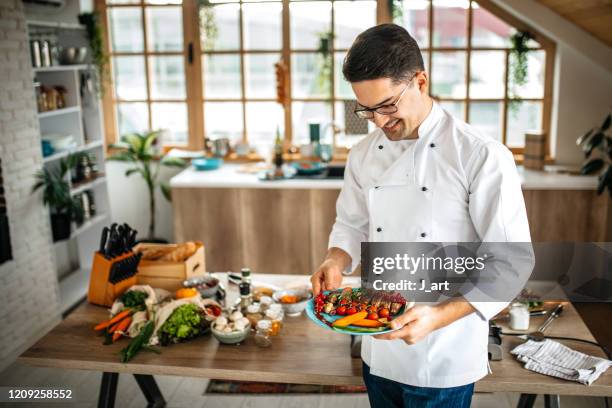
(99,58)
(597,147)
(139,149)
(56,195)
(519,66)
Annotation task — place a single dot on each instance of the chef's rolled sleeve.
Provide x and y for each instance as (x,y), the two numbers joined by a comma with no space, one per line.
(497,210)
(351,226)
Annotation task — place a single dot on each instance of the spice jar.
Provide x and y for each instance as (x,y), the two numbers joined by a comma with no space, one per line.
(263,333)
(253,313)
(277,307)
(265,302)
(519,316)
(276,320)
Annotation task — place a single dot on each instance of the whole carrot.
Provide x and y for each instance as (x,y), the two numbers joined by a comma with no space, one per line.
(123,326)
(119,316)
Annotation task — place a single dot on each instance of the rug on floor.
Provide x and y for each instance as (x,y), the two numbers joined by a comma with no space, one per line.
(255,387)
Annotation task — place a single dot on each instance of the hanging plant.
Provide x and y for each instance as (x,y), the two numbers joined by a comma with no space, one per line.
(519,66)
(208,24)
(397,10)
(326,39)
(598,140)
(99,58)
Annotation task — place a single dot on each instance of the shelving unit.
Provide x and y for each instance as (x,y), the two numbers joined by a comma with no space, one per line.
(82,119)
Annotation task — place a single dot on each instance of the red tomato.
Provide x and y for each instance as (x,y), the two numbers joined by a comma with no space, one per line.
(373,316)
(341,311)
(383,313)
(372,309)
(351,310)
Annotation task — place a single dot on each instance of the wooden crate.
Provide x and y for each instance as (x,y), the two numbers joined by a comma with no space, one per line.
(169,275)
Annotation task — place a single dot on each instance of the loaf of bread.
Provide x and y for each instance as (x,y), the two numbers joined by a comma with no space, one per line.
(180,253)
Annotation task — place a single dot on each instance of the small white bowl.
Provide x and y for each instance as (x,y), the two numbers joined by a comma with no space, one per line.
(234,337)
(293,309)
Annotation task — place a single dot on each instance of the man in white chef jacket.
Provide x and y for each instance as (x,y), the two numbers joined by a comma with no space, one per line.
(421,176)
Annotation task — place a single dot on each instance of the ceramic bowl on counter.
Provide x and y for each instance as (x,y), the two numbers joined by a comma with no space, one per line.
(229,331)
(207,163)
(294,301)
(206,285)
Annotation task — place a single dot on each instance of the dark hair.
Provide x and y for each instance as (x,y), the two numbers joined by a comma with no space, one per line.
(383,51)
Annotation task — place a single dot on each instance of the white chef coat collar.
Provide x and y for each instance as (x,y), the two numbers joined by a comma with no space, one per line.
(431,120)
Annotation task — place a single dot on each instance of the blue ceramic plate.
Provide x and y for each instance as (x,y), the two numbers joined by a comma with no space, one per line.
(354,330)
(203,164)
(309,168)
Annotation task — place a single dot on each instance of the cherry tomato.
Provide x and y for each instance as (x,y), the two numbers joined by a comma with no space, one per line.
(341,310)
(372,309)
(373,316)
(383,313)
(351,310)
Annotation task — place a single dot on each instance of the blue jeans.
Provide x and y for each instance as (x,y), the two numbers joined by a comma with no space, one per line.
(384,393)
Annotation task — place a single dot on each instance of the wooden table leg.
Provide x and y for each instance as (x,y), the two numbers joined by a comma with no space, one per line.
(526,401)
(151,391)
(552,401)
(108,390)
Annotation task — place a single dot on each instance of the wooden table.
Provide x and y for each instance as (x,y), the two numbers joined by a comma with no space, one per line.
(305,353)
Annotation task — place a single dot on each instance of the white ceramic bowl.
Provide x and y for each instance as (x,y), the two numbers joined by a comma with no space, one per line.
(293,309)
(234,337)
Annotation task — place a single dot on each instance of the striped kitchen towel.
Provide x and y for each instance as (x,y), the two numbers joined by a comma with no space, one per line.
(553,358)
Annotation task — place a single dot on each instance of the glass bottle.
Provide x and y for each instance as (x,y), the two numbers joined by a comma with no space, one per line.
(246,298)
(246,275)
(253,313)
(278,153)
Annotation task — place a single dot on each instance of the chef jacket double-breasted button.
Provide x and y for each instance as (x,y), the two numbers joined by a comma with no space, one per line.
(378,229)
(380,147)
(423,234)
(423,188)
(432,145)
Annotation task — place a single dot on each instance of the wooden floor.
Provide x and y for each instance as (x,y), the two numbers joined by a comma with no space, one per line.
(189,393)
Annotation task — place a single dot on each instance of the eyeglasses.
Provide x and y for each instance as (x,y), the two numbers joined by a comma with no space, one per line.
(368,113)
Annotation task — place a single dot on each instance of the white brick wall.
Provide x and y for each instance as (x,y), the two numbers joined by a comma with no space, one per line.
(29,295)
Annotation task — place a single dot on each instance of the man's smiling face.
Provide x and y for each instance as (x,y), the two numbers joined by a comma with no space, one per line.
(413,105)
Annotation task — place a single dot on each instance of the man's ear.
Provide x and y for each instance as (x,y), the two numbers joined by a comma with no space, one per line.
(422,81)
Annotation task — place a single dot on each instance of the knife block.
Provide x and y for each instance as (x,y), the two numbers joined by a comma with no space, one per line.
(107,282)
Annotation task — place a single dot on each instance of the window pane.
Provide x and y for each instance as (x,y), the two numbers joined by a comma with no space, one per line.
(220,27)
(522,117)
(488,30)
(262,119)
(173,117)
(448,74)
(223,119)
(308,19)
(132,117)
(129,78)
(304,113)
(122,1)
(351,18)
(450,23)
(167,77)
(126,29)
(343,87)
(222,76)
(534,87)
(415,19)
(164,28)
(456,109)
(262,26)
(486,117)
(425,55)
(163,1)
(487,74)
(310,76)
(260,75)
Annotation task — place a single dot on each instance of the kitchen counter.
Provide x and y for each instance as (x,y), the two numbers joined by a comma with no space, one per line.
(304,354)
(228,176)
